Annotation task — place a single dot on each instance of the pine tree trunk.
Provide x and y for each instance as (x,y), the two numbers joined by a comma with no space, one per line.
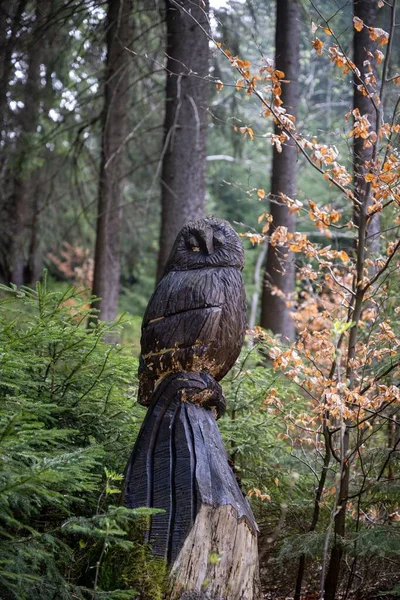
(19,206)
(280,269)
(33,267)
(110,194)
(183,182)
(10,15)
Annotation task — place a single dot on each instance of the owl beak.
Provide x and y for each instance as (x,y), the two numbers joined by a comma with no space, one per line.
(209,240)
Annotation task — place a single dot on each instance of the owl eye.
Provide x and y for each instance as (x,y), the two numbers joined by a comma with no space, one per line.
(219,239)
(193,244)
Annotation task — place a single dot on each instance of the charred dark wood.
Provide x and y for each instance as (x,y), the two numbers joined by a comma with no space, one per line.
(179,463)
(196,318)
(192,333)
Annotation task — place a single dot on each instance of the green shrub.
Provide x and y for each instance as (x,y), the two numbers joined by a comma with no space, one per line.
(68,420)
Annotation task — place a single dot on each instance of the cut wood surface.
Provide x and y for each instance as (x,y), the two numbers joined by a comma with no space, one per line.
(219,558)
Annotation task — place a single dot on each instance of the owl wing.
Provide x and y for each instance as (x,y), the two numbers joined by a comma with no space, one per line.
(232,324)
(181,321)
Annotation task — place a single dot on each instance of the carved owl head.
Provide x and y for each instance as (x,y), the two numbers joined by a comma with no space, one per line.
(208,242)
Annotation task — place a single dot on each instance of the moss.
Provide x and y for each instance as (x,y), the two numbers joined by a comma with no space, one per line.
(134,569)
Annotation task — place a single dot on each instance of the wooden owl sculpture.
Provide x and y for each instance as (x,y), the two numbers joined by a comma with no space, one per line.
(192,333)
(195,321)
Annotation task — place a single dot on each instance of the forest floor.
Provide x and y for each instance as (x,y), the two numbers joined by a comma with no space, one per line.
(278,583)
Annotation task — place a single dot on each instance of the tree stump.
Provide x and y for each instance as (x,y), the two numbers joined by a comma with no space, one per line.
(207,533)
(219,559)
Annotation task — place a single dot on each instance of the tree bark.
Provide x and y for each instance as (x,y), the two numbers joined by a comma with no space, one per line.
(332,576)
(183,182)
(363,153)
(316,511)
(364,47)
(280,269)
(20,204)
(111,187)
(10,13)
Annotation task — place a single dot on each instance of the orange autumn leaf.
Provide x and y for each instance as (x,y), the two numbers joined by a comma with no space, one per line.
(361,127)
(256,492)
(261,217)
(358,23)
(247,131)
(266,227)
(261,194)
(243,64)
(317,44)
(255,238)
(378,35)
(341,61)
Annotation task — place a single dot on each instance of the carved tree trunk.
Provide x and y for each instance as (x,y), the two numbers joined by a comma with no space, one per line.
(207,533)
(109,216)
(183,183)
(192,333)
(280,269)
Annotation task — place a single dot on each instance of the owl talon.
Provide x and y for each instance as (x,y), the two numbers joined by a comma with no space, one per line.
(211,397)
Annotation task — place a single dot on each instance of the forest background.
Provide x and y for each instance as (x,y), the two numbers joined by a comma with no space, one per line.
(122,120)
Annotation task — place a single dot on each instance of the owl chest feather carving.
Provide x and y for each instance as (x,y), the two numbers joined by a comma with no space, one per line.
(195,320)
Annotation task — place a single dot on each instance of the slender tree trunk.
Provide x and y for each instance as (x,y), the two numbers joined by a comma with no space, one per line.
(280,270)
(332,576)
(391,442)
(184,152)
(109,218)
(316,511)
(256,281)
(364,47)
(368,230)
